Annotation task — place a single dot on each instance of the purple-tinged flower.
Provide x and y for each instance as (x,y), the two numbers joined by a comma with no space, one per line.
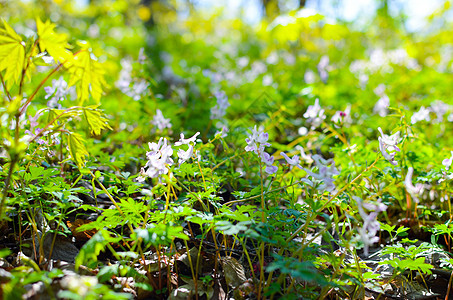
(34,120)
(125,78)
(309,77)
(159,121)
(325,175)
(342,117)
(381,106)
(315,114)
(380,90)
(448,161)
(159,160)
(257,140)
(223,132)
(32,133)
(268,160)
(294,161)
(422,114)
(138,89)
(323,68)
(57,92)
(305,157)
(338,116)
(415,191)
(440,109)
(370,225)
(183,141)
(363,80)
(139,86)
(219,110)
(185,155)
(388,143)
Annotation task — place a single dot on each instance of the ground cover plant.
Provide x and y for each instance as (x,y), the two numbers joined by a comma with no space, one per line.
(154,154)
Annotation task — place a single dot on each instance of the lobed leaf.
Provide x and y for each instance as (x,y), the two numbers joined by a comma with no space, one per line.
(12,54)
(88,74)
(55,44)
(95,120)
(77,148)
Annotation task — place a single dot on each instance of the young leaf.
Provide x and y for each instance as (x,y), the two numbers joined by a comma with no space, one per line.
(55,44)
(77,148)
(95,120)
(88,73)
(12,54)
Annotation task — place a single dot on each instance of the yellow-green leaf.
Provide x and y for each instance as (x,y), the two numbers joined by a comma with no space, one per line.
(88,74)
(77,149)
(95,119)
(55,44)
(12,54)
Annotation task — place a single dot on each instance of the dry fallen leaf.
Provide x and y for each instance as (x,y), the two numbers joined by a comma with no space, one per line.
(234,271)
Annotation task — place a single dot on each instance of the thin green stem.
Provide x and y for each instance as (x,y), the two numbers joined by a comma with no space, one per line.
(331,199)
(22,110)
(263,219)
(268,192)
(5,189)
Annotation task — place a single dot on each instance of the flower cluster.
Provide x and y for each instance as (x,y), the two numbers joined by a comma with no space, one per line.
(422,114)
(323,67)
(342,117)
(125,80)
(415,191)
(448,161)
(160,156)
(185,155)
(388,143)
(440,109)
(382,105)
(34,131)
(57,92)
(256,142)
(315,114)
(294,161)
(370,225)
(160,122)
(322,181)
(159,160)
(381,60)
(309,77)
(219,110)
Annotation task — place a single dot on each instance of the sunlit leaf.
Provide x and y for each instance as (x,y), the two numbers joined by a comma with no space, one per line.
(95,119)
(55,44)
(12,54)
(77,148)
(87,74)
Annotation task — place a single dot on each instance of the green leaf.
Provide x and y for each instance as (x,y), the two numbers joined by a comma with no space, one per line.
(95,119)
(90,251)
(88,74)
(12,54)
(55,44)
(77,148)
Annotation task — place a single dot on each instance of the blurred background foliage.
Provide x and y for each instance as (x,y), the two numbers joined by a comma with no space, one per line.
(271,58)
